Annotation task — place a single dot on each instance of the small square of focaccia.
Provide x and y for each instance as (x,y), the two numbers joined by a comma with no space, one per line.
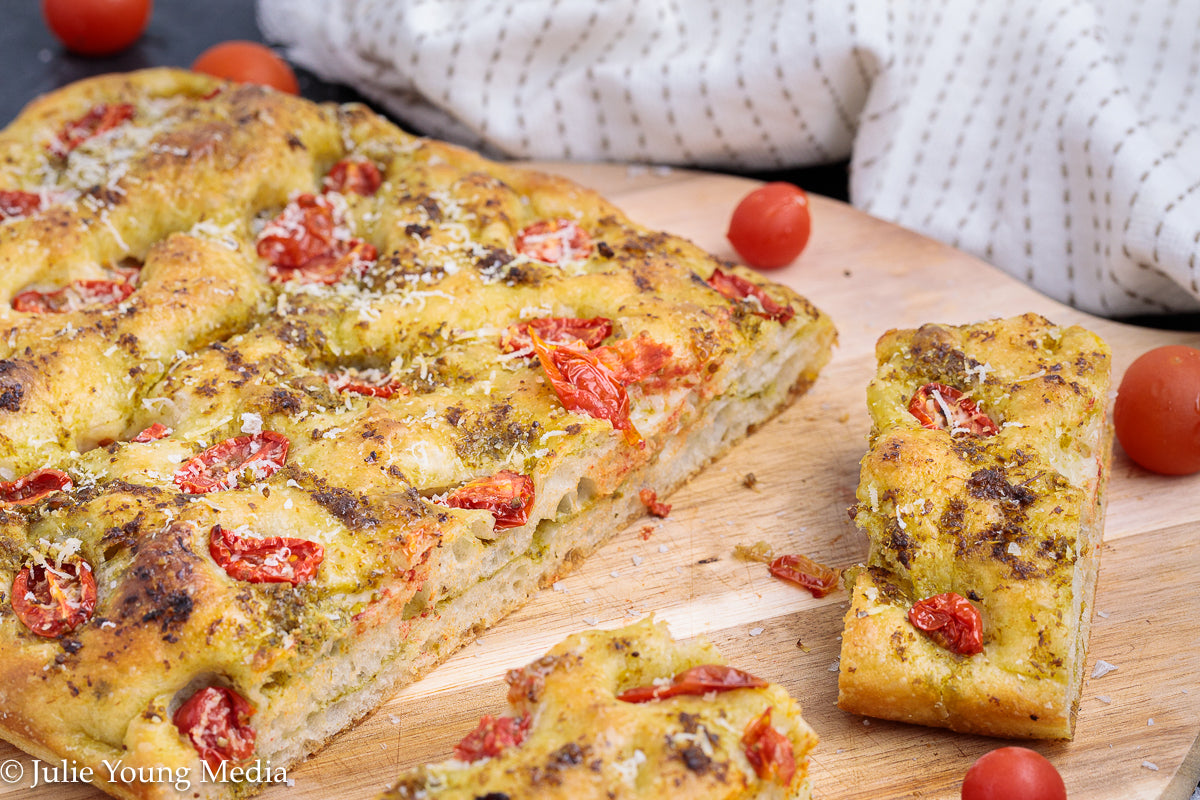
(629,713)
(983,497)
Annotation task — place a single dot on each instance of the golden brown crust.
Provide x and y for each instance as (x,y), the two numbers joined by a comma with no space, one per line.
(209,347)
(1012,522)
(584,743)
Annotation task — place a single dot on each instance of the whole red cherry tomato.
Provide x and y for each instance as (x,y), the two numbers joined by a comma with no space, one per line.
(770,226)
(96,27)
(1157,411)
(247,62)
(1013,773)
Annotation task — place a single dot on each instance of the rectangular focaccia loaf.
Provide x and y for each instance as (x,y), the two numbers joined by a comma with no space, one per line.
(293,403)
(1004,511)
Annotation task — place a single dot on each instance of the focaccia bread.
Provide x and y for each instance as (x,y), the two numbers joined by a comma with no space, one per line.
(983,497)
(292,403)
(630,713)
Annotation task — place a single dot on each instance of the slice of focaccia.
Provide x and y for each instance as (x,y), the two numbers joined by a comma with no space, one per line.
(983,496)
(629,713)
(292,403)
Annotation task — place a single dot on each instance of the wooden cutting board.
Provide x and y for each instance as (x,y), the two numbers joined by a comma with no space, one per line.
(790,485)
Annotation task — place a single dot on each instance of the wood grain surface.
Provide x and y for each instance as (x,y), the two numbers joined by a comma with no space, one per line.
(1138,725)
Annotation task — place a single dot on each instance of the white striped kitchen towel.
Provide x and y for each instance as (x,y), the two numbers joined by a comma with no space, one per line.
(1056,139)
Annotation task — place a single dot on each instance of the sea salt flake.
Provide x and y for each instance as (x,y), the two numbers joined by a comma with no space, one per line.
(1102,668)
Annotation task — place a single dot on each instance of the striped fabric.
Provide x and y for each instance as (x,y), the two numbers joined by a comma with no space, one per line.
(1056,139)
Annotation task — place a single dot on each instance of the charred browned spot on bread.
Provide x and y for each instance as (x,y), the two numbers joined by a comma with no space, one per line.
(160,592)
(13,377)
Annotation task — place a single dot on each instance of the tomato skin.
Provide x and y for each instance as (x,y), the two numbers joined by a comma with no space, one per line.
(801,570)
(272,559)
(771,225)
(247,62)
(507,494)
(768,750)
(695,681)
(1157,410)
(1013,773)
(492,737)
(951,621)
(217,468)
(60,604)
(97,27)
(216,721)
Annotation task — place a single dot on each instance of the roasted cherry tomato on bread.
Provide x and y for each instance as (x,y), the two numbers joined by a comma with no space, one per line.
(507,494)
(96,120)
(556,331)
(554,241)
(218,468)
(216,720)
(768,750)
(354,176)
(270,559)
(247,62)
(1013,773)
(771,225)
(97,27)
(15,203)
(735,287)
(54,600)
(1157,410)
(951,621)
(586,385)
(33,486)
(940,407)
(492,737)
(78,295)
(695,681)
